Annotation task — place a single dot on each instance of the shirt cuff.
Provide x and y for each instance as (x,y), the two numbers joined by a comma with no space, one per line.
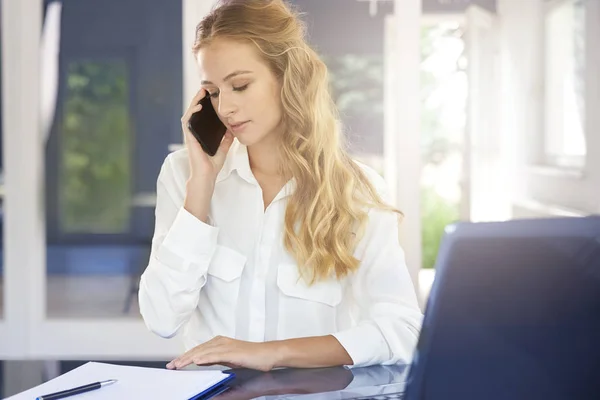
(191,239)
(365,344)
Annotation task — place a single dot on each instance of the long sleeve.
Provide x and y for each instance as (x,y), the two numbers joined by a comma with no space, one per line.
(389,318)
(182,248)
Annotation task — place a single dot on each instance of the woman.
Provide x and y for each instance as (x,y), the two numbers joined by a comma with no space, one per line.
(277,251)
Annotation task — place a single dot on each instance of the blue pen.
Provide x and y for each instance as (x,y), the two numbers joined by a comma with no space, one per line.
(77,390)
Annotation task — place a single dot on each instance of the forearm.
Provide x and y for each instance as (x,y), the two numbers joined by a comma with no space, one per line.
(164,305)
(197,199)
(176,272)
(310,352)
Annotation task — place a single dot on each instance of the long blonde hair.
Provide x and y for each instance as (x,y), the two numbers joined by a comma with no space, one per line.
(327,213)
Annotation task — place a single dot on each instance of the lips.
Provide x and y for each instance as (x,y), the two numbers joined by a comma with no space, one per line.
(238,126)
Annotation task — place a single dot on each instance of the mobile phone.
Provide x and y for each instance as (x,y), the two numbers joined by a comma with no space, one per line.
(206,127)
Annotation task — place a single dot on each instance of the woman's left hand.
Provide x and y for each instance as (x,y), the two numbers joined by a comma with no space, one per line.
(229,352)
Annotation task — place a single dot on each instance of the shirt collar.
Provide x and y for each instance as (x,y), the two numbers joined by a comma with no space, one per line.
(237,160)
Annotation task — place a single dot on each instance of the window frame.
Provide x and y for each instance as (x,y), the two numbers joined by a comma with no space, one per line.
(572,165)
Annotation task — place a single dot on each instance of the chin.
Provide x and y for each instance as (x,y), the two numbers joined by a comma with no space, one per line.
(244,139)
(247,138)
(254,136)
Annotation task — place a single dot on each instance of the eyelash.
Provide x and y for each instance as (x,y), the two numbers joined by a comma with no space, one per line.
(236,89)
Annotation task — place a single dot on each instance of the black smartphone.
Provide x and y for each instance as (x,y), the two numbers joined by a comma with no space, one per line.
(206,127)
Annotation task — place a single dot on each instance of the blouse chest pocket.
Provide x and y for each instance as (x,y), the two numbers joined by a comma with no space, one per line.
(306,310)
(223,279)
(289,281)
(226,264)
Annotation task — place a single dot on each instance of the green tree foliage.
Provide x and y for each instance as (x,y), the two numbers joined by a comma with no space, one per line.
(95,184)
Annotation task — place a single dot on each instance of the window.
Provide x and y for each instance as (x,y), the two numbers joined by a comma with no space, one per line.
(443,116)
(95,172)
(565,65)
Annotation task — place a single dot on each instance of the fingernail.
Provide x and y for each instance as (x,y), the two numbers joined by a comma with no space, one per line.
(170,365)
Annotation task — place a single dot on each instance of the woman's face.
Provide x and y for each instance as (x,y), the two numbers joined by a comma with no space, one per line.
(243,89)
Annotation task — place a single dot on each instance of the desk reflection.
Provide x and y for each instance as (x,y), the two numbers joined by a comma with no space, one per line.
(315,384)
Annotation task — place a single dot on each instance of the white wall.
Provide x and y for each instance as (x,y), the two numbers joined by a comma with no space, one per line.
(402,136)
(193,12)
(541,190)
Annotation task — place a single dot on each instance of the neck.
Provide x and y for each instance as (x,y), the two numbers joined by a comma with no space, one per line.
(264,158)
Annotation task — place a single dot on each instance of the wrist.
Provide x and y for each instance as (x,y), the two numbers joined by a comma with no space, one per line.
(199,212)
(278,351)
(197,199)
(200,185)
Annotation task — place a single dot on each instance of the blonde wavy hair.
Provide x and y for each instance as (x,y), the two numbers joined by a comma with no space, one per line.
(327,213)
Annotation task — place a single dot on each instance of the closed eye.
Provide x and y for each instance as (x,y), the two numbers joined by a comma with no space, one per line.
(241,88)
(236,89)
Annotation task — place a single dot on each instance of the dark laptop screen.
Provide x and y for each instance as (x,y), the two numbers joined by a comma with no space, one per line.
(514,314)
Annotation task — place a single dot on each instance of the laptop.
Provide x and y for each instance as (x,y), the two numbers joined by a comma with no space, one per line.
(514,313)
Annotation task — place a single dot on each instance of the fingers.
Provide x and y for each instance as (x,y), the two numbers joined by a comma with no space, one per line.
(179,360)
(178,364)
(210,358)
(186,357)
(193,108)
(226,143)
(214,347)
(188,114)
(188,135)
(199,358)
(199,96)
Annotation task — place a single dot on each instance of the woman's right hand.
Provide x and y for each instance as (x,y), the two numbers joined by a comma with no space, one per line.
(203,168)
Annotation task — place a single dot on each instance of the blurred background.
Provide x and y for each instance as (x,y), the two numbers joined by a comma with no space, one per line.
(472,110)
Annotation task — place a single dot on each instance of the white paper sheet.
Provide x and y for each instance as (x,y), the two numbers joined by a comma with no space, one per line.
(133,383)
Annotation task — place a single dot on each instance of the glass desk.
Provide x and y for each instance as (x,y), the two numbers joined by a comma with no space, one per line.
(316,384)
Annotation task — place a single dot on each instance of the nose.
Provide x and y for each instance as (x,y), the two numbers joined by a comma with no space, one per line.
(226,105)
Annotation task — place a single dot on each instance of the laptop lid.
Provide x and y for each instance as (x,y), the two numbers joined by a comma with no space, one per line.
(514,313)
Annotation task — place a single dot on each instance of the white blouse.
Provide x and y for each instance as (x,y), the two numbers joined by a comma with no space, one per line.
(233,277)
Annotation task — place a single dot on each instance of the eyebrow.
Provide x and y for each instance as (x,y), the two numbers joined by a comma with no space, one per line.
(232,75)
